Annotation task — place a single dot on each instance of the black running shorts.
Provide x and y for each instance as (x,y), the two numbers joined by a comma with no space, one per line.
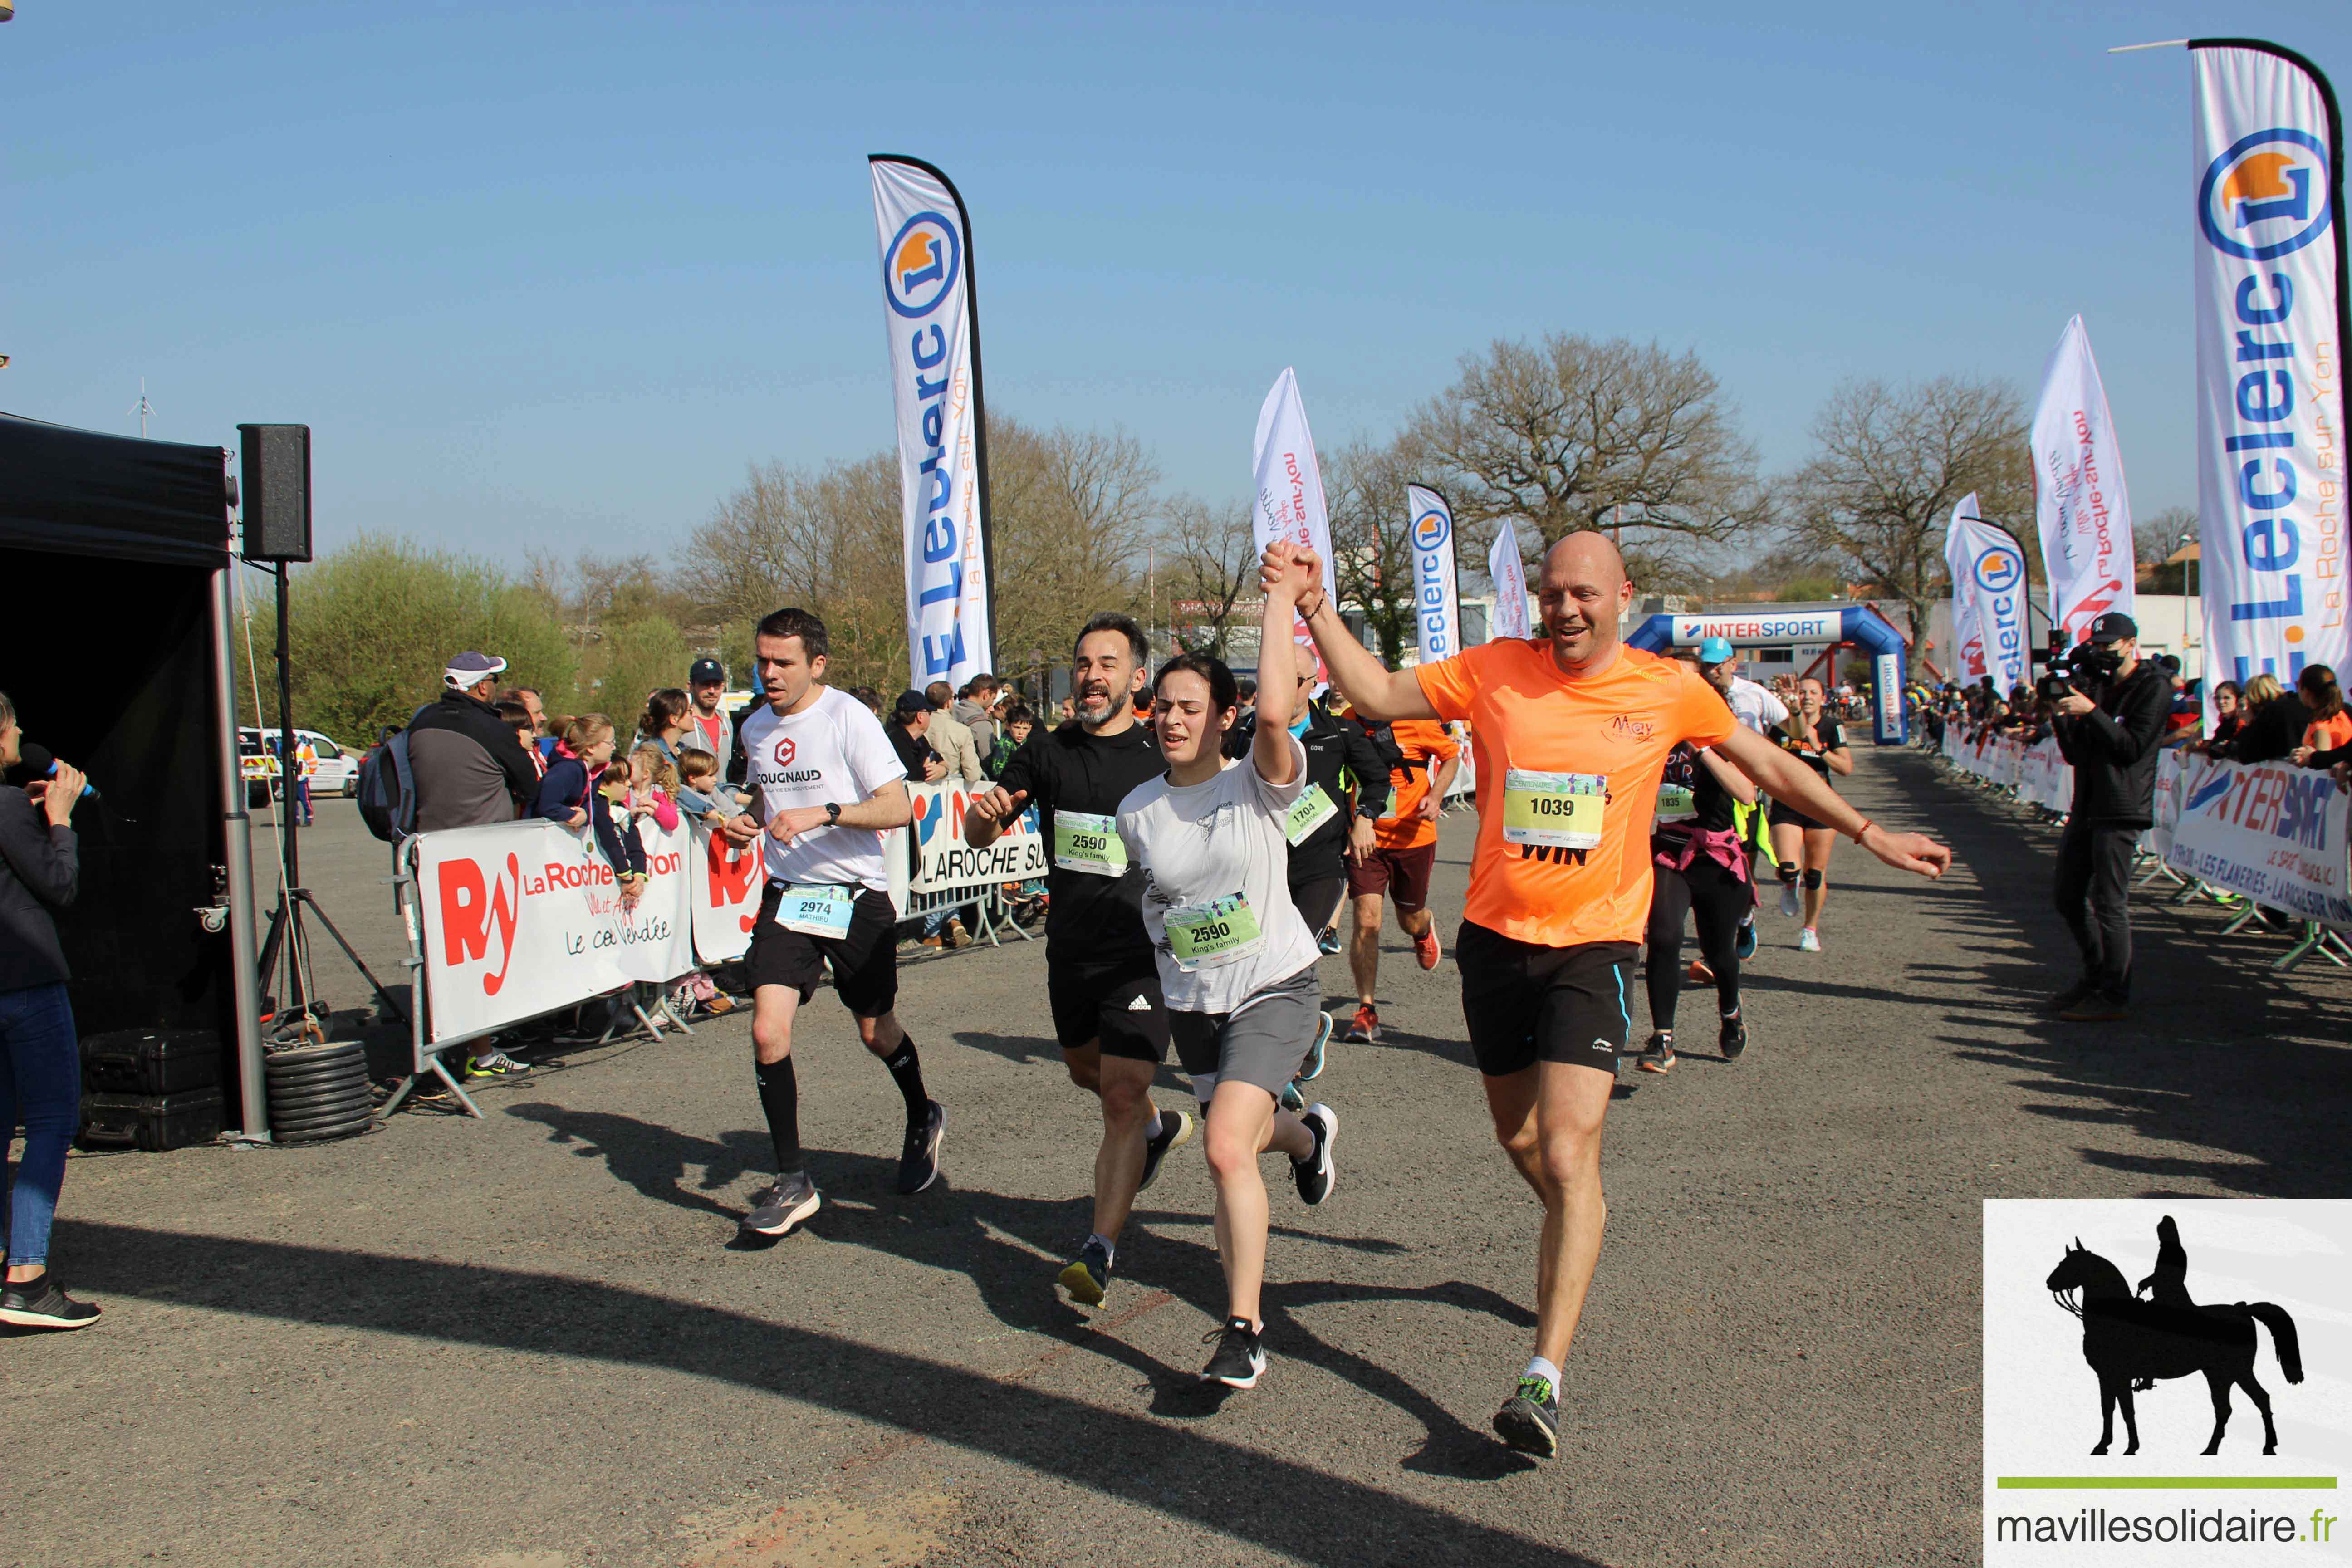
(1525,1003)
(865,962)
(1317,900)
(1790,816)
(1117,1005)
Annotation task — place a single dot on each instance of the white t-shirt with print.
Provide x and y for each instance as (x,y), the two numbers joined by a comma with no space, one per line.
(832,749)
(1754,705)
(1206,842)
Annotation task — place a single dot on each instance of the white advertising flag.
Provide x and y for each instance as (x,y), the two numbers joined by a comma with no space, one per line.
(2080,504)
(1989,578)
(934,341)
(1289,486)
(1510,578)
(1968,636)
(2270,364)
(1436,597)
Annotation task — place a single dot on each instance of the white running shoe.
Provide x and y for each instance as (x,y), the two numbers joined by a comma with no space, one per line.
(1807,942)
(1790,904)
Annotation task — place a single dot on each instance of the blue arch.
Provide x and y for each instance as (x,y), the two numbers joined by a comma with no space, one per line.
(1859,625)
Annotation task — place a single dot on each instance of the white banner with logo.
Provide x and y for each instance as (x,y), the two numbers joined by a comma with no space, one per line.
(944,863)
(1758,626)
(1510,578)
(934,342)
(2269,365)
(2273,831)
(1989,612)
(2165,813)
(2079,501)
(521,917)
(1288,485)
(2040,774)
(1436,598)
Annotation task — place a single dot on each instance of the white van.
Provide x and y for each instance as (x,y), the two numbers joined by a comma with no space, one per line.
(336,771)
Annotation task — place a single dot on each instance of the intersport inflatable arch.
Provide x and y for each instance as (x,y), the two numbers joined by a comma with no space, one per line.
(1858,624)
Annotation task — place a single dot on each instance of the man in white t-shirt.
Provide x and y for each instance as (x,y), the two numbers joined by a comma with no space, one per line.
(826,786)
(1756,709)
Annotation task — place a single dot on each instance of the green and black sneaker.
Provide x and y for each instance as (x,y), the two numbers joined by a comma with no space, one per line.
(1529,1419)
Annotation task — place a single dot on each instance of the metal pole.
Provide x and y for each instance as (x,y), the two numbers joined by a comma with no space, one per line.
(286,766)
(236,848)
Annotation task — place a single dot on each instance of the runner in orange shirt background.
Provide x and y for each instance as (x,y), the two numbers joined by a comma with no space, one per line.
(1570,732)
(1404,849)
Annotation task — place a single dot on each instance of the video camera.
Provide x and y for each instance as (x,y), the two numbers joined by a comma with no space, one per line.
(2086,668)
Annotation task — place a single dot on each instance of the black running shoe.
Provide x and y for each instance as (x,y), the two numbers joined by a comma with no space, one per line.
(918,1164)
(41,1302)
(1316,1173)
(2072,995)
(1529,1419)
(1239,1359)
(1088,1281)
(1734,1038)
(784,1205)
(1175,1132)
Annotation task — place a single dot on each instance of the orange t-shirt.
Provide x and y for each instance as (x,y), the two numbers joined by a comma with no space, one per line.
(1421,742)
(2327,734)
(1607,734)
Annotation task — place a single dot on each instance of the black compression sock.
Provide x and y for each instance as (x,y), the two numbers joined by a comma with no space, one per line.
(907,1072)
(780,1097)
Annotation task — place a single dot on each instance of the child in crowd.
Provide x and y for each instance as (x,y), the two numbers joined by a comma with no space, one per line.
(618,835)
(699,786)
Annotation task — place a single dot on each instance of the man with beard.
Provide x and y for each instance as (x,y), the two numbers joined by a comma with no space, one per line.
(1101,978)
(1571,732)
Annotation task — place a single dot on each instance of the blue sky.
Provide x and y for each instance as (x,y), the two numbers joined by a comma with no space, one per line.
(555,275)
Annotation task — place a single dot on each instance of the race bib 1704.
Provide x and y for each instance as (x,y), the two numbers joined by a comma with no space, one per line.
(1560,811)
(1088,843)
(1219,932)
(1308,813)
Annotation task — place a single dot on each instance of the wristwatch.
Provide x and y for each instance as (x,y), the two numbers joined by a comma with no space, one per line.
(831,813)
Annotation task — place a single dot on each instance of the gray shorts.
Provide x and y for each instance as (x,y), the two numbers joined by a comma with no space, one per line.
(1262,1041)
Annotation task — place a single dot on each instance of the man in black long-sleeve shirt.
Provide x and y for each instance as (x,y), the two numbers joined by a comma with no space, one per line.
(2111,743)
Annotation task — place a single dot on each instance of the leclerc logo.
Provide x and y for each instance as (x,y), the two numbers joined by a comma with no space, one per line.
(784,750)
(1998,569)
(1429,529)
(2268,196)
(920,266)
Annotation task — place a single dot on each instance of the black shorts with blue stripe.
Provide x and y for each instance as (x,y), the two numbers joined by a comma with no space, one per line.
(1525,1003)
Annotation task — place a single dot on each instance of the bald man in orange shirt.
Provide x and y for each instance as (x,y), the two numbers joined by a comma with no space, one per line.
(1570,730)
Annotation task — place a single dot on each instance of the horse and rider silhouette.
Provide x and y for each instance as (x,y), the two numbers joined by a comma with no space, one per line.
(2130,1344)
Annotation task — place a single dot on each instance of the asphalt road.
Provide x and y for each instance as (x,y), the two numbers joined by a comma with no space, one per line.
(526,1341)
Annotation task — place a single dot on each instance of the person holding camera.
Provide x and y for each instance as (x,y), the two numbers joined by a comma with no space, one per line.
(2108,710)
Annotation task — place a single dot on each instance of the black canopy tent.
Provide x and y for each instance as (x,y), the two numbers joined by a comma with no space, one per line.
(115,556)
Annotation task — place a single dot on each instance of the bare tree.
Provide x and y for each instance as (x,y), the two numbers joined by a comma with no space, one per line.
(1072,511)
(2154,538)
(1372,550)
(1566,432)
(1893,463)
(1213,557)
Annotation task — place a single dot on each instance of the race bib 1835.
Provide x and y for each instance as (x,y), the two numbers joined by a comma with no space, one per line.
(1559,810)
(1677,803)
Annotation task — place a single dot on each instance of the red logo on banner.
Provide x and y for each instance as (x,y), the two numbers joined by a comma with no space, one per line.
(469,910)
(785,750)
(732,872)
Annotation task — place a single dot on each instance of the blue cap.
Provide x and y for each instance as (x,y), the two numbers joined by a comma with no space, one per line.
(1714,651)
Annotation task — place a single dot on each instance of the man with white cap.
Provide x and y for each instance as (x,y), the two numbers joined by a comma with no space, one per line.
(462,756)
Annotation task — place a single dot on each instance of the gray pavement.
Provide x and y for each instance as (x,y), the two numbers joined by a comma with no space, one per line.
(526,1343)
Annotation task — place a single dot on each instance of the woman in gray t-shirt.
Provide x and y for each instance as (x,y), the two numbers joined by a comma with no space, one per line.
(1237,964)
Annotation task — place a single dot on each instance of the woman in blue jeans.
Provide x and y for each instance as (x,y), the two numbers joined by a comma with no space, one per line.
(40,1056)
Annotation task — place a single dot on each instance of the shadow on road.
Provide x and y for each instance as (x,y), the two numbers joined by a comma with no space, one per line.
(1287,1508)
(2220,1052)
